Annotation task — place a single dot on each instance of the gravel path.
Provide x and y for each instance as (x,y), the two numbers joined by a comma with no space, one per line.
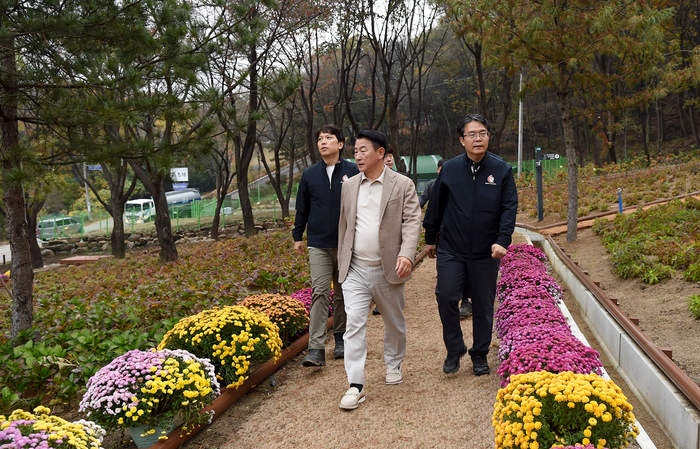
(429,409)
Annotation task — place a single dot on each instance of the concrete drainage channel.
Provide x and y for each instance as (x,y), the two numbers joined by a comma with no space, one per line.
(666,391)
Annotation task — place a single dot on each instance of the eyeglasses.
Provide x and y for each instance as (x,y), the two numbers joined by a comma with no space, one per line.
(472,136)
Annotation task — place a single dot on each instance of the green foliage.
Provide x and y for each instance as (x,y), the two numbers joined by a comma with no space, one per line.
(86,316)
(694,305)
(692,274)
(650,244)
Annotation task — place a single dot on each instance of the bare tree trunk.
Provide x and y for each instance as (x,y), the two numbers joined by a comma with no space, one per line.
(155,185)
(502,119)
(116,180)
(694,126)
(659,126)
(21,271)
(117,239)
(566,122)
(643,118)
(245,149)
(33,209)
(168,250)
(596,144)
(681,115)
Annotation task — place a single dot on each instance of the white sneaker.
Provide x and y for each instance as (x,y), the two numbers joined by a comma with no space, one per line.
(352,398)
(394,376)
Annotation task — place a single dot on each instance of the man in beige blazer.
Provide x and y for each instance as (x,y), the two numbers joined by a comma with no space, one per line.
(377,239)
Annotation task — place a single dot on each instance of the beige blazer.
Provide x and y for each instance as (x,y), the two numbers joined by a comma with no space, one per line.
(399,223)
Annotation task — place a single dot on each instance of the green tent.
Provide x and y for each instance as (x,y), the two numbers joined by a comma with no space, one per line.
(426,169)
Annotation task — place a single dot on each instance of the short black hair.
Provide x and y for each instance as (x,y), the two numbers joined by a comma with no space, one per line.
(378,138)
(331,129)
(472,118)
(441,161)
(389,149)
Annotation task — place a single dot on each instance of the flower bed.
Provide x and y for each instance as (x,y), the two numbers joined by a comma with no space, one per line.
(151,388)
(552,394)
(287,312)
(305,295)
(41,430)
(542,409)
(86,316)
(231,337)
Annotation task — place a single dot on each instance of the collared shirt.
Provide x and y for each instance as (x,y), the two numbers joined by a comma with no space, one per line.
(366,243)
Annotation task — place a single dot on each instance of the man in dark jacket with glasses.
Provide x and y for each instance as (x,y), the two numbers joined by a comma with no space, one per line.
(473,205)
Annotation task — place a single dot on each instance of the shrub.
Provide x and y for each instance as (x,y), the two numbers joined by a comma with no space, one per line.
(541,409)
(41,430)
(694,305)
(289,314)
(692,274)
(232,337)
(655,273)
(151,388)
(628,261)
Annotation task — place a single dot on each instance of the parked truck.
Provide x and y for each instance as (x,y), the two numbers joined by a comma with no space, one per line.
(144,210)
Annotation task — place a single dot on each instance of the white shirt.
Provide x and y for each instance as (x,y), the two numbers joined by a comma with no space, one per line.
(329,171)
(366,243)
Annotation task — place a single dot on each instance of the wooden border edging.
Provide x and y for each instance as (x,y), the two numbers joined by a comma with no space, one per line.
(672,397)
(229,396)
(680,378)
(605,214)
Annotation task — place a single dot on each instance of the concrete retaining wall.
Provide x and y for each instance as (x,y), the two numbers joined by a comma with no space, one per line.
(661,397)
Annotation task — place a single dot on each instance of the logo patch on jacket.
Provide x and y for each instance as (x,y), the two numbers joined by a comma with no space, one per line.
(345,178)
(490,180)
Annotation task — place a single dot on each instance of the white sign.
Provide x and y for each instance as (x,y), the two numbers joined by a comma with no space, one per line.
(179,174)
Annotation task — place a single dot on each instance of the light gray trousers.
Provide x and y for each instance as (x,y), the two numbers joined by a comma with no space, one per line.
(361,286)
(324,269)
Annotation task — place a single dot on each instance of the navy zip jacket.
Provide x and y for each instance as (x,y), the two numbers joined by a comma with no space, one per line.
(318,204)
(472,211)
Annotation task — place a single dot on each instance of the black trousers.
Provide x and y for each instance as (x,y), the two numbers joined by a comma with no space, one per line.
(478,276)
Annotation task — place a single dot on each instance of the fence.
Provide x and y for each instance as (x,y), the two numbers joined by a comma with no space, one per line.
(550,167)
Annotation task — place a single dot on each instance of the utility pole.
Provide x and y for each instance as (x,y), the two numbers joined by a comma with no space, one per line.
(520,127)
(87,192)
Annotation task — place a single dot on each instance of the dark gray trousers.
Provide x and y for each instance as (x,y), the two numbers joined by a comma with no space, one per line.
(478,276)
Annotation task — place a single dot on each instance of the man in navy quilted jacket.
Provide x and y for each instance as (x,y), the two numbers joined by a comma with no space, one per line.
(473,206)
(318,212)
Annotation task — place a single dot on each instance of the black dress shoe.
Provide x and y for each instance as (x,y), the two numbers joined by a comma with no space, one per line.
(466,309)
(316,357)
(339,352)
(480,365)
(376,311)
(451,364)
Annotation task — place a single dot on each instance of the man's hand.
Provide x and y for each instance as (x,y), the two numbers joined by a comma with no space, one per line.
(432,251)
(300,247)
(497,251)
(403,267)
